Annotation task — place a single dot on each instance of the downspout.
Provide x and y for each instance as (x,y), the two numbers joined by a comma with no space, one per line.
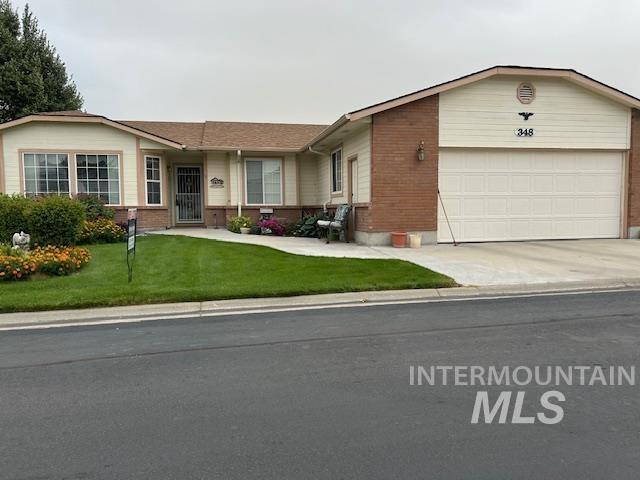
(316,151)
(238,195)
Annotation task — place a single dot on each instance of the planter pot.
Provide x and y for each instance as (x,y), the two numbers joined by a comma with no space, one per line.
(415,240)
(399,239)
(245,230)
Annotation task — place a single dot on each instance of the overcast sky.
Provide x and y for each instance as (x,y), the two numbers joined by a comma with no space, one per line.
(311,61)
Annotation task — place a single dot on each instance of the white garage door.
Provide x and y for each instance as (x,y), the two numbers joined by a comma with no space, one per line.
(514,195)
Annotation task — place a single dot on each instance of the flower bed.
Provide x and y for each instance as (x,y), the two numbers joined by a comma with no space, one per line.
(52,260)
(48,260)
(16,267)
(101,230)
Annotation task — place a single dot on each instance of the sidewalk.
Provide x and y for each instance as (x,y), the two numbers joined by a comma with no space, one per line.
(481,264)
(139,313)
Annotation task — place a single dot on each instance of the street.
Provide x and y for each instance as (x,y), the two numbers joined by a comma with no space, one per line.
(319,394)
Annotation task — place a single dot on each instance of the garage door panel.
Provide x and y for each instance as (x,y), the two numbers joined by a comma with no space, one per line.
(515,195)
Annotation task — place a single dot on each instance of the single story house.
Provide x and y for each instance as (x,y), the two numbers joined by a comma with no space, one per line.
(506,153)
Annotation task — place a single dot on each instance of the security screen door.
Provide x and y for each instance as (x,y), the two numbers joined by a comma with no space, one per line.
(188,194)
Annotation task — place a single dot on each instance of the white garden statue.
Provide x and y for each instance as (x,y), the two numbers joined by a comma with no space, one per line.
(21,241)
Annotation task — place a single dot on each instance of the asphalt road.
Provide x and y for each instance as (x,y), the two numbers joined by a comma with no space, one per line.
(319,394)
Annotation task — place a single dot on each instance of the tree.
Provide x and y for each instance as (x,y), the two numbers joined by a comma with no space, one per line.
(33,78)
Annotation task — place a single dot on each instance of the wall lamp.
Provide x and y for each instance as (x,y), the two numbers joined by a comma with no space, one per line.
(420,150)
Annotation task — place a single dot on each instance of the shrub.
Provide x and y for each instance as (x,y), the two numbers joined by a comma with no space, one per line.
(101,230)
(94,207)
(16,266)
(52,260)
(234,223)
(54,220)
(13,215)
(307,226)
(271,226)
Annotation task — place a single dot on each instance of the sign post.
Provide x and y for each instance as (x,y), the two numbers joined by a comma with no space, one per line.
(132,217)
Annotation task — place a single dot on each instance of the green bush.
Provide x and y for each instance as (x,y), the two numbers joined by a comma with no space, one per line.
(307,226)
(13,216)
(54,220)
(234,223)
(95,207)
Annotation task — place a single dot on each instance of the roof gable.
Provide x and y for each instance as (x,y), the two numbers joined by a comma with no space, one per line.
(567,74)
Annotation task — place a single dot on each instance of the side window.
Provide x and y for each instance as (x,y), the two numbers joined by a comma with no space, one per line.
(336,171)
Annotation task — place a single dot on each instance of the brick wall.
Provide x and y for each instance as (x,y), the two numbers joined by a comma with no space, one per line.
(284,214)
(215,217)
(634,171)
(148,218)
(404,189)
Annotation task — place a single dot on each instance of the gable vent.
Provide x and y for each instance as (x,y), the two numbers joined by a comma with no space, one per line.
(526,93)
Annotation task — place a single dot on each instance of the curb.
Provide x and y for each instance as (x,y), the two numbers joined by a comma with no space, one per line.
(139,313)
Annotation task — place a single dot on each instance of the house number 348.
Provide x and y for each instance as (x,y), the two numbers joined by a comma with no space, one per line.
(525,132)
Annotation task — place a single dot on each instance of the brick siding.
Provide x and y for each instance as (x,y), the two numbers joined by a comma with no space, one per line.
(148,218)
(404,189)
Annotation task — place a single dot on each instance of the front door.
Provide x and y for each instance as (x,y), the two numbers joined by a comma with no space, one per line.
(188,194)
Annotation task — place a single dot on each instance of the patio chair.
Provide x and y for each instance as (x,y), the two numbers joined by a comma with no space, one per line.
(339,222)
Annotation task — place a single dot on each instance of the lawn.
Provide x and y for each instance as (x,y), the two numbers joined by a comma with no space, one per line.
(183,269)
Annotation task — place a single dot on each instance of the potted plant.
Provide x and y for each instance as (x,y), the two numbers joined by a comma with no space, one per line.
(240,224)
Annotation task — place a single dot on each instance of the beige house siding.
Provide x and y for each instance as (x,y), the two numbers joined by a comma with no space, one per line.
(357,144)
(308,179)
(289,176)
(485,114)
(71,137)
(146,144)
(324,180)
(218,167)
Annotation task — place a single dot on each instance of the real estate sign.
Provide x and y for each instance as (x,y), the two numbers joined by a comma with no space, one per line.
(132,218)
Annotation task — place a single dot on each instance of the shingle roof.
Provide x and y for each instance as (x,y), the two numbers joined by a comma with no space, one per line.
(186,133)
(236,135)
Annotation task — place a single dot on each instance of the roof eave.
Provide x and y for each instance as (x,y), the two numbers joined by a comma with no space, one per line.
(344,119)
(92,119)
(229,148)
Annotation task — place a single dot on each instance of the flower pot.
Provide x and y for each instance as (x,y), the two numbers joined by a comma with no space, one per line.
(415,240)
(399,239)
(245,230)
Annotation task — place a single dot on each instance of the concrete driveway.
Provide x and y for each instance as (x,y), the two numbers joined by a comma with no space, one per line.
(500,263)
(518,263)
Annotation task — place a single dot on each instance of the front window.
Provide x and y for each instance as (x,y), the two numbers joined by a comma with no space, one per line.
(152,169)
(336,171)
(263,181)
(99,175)
(46,173)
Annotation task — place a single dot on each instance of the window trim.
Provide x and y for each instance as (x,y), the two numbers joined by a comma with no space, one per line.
(244,185)
(146,181)
(98,152)
(336,193)
(23,172)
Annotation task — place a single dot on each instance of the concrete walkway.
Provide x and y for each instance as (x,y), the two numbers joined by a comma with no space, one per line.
(477,264)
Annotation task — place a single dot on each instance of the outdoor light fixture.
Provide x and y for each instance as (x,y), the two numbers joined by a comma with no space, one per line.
(420,150)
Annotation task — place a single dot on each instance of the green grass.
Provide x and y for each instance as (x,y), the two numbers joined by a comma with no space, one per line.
(183,269)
